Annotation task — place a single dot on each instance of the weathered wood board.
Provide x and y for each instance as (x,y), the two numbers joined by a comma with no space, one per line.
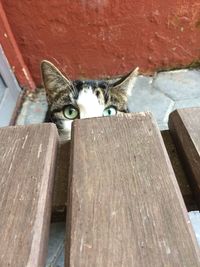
(27,163)
(60,182)
(184,125)
(179,171)
(125,207)
(62,171)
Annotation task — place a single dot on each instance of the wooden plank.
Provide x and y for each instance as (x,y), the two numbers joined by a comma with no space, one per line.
(125,206)
(62,170)
(60,183)
(184,125)
(179,171)
(27,163)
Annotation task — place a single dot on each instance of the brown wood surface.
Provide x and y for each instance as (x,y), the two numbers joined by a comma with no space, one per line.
(125,206)
(62,170)
(184,125)
(27,163)
(60,182)
(180,173)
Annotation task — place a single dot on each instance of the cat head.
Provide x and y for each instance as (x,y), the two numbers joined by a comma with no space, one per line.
(69,100)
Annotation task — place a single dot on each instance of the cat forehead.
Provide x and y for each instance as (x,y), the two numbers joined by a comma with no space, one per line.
(89,104)
(88,84)
(87,98)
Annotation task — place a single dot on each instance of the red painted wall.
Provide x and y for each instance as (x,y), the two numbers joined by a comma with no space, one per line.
(13,55)
(95,38)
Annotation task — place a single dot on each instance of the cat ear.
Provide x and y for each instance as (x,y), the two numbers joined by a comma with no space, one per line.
(54,81)
(126,83)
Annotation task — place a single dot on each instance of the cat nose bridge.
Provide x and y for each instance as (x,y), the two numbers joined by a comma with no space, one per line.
(89,105)
(87,115)
(90,112)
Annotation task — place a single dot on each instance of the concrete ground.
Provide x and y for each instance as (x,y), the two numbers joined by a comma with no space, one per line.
(160,94)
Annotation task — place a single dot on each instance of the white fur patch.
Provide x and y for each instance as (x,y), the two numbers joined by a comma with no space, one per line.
(65,134)
(88,104)
(67,125)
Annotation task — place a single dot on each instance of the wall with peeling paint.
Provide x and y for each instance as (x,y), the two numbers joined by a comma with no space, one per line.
(96,38)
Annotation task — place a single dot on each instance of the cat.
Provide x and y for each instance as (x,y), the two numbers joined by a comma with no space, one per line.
(69,100)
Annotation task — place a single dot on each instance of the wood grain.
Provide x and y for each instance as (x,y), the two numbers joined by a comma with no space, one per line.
(62,171)
(184,125)
(60,182)
(125,206)
(178,167)
(27,163)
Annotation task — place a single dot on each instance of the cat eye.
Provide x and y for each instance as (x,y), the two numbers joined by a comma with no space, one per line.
(110,111)
(70,112)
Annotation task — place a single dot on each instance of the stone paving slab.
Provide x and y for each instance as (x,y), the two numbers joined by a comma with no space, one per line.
(61,260)
(55,257)
(187,103)
(178,85)
(34,108)
(195,220)
(147,98)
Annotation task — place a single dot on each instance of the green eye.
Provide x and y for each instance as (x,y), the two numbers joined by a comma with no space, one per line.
(70,112)
(110,111)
